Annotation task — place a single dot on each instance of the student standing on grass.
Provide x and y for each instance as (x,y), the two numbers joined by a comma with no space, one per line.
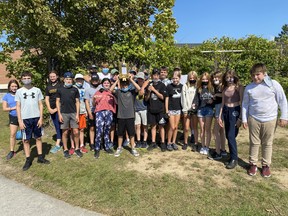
(50,100)
(126,112)
(9,105)
(68,106)
(105,107)
(205,110)
(155,94)
(141,113)
(79,81)
(231,111)
(173,108)
(189,109)
(260,105)
(88,98)
(29,109)
(219,132)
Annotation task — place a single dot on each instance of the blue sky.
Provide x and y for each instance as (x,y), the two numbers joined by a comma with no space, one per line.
(201,20)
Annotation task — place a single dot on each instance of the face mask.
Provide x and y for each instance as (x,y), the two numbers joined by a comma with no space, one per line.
(230,80)
(155,80)
(125,89)
(79,85)
(205,83)
(94,85)
(105,70)
(26,82)
(216,82)
(67,85)
(192,81)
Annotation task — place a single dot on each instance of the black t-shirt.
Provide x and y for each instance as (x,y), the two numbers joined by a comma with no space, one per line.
(68,99)
(51,92)
(217,99)
(204,97)
(174,94)
(155,104)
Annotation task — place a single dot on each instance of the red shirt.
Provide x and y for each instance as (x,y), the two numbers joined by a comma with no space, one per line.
(104,100)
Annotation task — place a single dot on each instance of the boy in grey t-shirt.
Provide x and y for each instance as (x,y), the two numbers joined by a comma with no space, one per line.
(30,117)
(126,115)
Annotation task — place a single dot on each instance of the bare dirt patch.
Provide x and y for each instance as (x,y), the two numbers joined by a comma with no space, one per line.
(192,165)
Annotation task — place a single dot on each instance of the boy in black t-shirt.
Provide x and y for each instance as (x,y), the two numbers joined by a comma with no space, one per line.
(68,106)
(155,97)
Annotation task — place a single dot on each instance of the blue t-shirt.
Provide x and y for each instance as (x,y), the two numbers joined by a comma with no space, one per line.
(10,99)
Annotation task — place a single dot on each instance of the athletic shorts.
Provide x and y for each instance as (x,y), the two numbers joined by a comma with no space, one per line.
(82,121)
(156,118)
(32,128)
(13,120)
(205,112)
(69,121)
(141,117)
(126,125)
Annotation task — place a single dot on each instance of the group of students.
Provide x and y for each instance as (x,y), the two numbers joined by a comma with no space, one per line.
(131,102)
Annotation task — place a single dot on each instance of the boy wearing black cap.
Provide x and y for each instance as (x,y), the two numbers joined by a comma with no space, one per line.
(68,106)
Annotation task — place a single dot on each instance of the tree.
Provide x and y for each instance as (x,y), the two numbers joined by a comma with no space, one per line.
(66,35)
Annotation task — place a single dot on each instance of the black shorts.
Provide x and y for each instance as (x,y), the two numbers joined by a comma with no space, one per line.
(156,118)
(13,120)
(126,125)
(91,122)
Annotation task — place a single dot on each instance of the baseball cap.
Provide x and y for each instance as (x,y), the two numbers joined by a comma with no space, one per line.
(94,76)
(79,76)
(140,75)
(114,70)
(68,74)
(132,71)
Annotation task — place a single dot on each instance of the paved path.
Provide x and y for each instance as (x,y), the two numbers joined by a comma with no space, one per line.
(18,199)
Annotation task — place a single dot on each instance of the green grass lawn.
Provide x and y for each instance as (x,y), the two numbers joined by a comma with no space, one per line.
(170,183)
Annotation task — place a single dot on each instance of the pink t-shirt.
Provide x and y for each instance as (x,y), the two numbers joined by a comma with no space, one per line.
(104,100)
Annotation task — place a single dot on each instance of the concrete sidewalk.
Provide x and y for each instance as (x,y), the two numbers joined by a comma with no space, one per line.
(18,199)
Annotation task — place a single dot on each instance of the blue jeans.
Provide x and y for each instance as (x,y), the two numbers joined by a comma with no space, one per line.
(56,123)
(231,115)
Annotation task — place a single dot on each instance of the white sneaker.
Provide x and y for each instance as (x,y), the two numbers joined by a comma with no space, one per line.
(134,152)
(206,150)
(202,150)
(118,152)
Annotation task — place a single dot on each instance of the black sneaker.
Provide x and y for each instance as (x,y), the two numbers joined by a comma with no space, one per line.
(144,144)
(10,155)
(78,153)
(194,147)
(185,146)
(163,147)
(96,154)
(174,146)
(169,147)
(27,164)
(215,156)
(110,151)
(43,161)
(66,154)
(152,146)
(92,147)
(138,144)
